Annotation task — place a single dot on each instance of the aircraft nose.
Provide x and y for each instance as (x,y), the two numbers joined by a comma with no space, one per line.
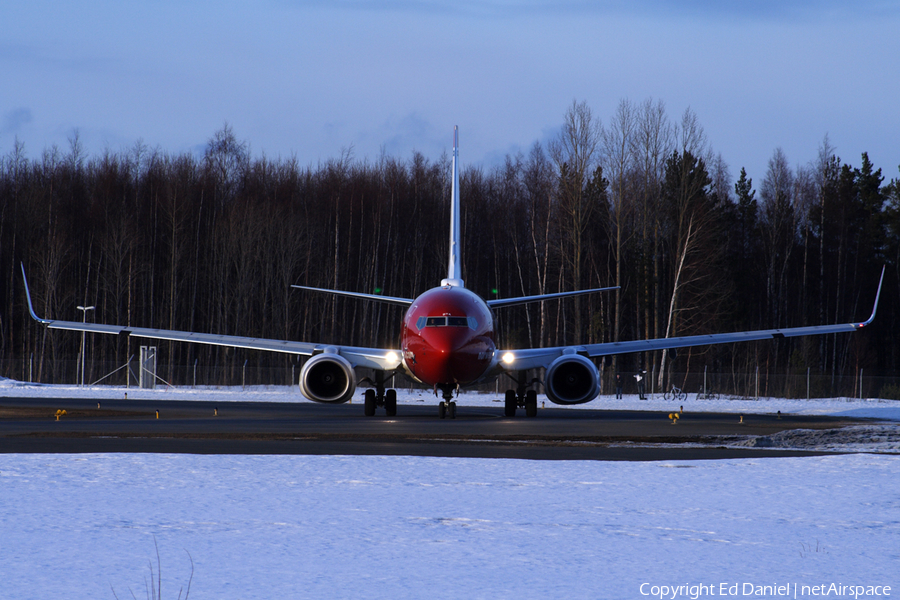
(447,341)
(450,356)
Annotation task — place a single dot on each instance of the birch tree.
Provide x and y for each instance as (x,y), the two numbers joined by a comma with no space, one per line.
(575,152)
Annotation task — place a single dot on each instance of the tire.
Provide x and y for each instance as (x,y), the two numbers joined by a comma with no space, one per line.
(442,409)
(390,403)
(531,403)
(510,405)
(452,410)
(370,403)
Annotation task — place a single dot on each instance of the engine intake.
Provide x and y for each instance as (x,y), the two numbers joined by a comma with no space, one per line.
(572,379)
(328,378)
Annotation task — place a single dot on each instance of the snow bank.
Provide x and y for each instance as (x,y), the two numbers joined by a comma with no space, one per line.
(414,527)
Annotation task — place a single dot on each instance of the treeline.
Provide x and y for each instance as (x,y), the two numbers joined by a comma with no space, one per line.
(212,243)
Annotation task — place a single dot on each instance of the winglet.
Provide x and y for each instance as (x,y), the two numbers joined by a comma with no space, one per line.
(28,297)
(875,307)
(454,271)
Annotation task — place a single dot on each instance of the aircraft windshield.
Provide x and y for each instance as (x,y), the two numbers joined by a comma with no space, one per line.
(469,322)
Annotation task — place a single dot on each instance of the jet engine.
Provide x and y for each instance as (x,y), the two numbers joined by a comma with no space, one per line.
(328,378)
(572,379)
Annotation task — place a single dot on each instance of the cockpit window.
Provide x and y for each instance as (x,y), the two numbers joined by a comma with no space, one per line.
(470,322)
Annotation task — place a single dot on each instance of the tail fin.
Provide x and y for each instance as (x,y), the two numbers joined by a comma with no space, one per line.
(454,271)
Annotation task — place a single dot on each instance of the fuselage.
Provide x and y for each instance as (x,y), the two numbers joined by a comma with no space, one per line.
(447,337)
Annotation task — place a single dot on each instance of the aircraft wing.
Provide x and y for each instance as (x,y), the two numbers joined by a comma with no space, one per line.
(542,357)
(375,297)
(376,358)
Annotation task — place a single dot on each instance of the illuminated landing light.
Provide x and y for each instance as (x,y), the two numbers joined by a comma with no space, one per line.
(392,358)
(508,358)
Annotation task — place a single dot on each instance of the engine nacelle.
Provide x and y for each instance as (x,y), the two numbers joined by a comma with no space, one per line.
(328,378)
(572,379)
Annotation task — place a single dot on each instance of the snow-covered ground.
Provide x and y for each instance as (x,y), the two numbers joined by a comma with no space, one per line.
(78,526)
(85,526)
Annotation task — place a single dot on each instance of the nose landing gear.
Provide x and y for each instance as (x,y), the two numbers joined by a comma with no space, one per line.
(447,407)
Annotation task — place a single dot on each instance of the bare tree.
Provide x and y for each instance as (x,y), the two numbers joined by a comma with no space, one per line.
(778,223)
(805,199)
(618,145)
(575,152)
(539,190)
(652,146)
(691,135)
(696,249)
(226,158)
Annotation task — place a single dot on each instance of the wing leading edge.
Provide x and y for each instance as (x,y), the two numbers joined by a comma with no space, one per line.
(376,358)
(375,297)
(542,357)
(503,302)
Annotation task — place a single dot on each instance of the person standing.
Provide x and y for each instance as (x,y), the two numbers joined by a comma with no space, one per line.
(639,377)
(618,386)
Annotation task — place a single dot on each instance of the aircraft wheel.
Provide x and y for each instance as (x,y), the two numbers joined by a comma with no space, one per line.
(370,403)
(509,407)
(442,409)
(452,410)
(531,403)
(390,403)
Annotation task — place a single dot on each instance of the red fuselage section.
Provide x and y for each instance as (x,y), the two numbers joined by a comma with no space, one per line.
(447,337)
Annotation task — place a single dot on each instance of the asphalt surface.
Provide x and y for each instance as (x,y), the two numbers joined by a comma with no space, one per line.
(29,425)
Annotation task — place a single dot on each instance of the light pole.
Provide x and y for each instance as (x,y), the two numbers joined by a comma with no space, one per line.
(83,310)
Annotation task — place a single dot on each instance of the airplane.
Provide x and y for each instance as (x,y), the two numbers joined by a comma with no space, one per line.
(447,342)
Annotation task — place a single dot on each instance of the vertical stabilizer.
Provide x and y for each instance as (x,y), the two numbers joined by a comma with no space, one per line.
(454,271)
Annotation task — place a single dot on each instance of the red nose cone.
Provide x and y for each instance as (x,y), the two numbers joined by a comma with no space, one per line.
(450,356)
(445,354)
(448,340)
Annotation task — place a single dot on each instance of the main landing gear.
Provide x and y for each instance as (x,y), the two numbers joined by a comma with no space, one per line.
(379,397)
(521,397)
(447,407)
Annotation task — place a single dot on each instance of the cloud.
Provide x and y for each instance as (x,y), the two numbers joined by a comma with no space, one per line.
(408,131)
(14,120)
(399,136)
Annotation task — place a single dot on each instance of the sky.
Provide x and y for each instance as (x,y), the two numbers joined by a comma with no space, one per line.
(315,79)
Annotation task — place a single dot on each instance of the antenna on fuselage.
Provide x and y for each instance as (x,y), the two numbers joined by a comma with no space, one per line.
(454,271)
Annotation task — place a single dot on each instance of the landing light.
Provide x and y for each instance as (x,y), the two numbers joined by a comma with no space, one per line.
(509,358)
(391,357)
